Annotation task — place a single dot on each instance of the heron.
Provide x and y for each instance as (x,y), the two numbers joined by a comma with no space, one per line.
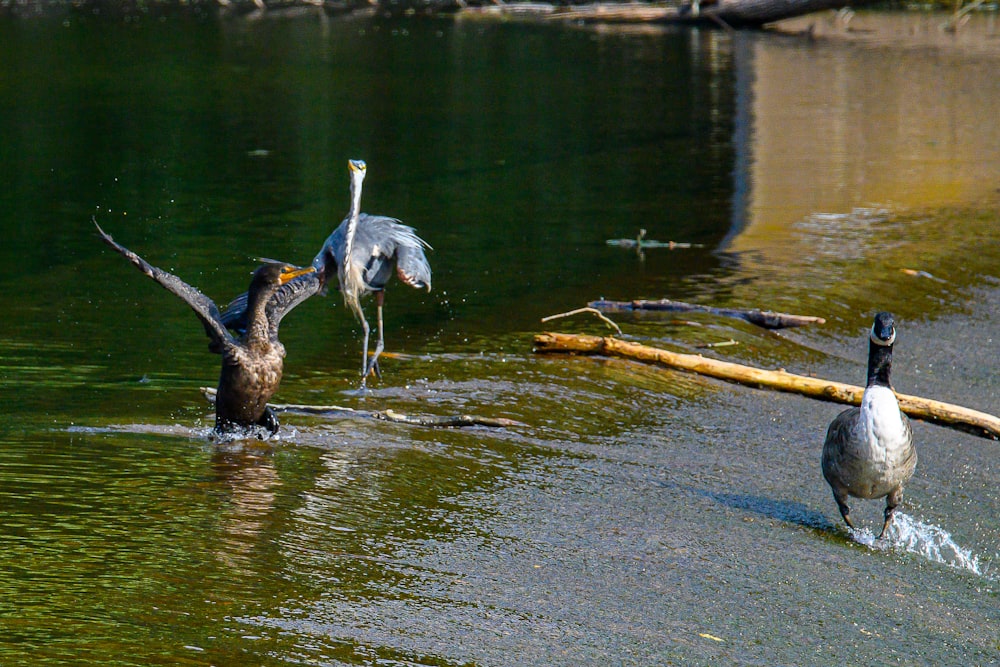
(868,451)
(251,364)
(365,250)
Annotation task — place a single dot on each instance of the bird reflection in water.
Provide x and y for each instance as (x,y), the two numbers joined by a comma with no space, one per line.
(253,482)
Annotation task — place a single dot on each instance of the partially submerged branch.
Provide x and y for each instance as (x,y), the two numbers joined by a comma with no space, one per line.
(762,318)
(599,314)
(947,414)
(720,13)
(387,415)
(641,243)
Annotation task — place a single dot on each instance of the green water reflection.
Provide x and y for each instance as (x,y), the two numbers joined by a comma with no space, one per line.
(634,511)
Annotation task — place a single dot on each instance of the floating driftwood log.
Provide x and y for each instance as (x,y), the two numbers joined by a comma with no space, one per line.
(640,243)
(386,415)
(762,318)
(724,13)
(972,421)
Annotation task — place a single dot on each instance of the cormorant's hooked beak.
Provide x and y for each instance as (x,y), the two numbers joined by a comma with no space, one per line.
(291,273)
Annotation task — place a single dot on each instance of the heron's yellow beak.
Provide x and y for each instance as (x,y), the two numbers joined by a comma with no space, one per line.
(290,273)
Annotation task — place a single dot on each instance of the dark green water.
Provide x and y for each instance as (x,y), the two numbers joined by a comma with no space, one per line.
(637,517)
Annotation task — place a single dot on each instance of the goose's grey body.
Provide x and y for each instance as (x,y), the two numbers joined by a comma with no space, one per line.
(868,452)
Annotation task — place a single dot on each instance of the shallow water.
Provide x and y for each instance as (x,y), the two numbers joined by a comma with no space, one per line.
(636,516)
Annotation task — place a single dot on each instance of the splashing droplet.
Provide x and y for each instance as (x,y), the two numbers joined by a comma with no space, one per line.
(932,542)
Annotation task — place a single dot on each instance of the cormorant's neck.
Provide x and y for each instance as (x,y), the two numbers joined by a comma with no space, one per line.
(257,326)
(879,365)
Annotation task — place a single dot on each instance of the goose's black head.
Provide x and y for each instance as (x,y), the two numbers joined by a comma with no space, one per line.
(883,330)
(882,336)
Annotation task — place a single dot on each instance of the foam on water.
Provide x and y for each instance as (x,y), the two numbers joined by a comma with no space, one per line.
(924,539)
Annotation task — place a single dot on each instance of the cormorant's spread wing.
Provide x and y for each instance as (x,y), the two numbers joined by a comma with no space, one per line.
(204,308)
(280,304)
(331,254)
(290,295)
(235,315)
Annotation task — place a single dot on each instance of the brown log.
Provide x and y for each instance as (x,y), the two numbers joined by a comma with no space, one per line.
(946,414)
(762,318)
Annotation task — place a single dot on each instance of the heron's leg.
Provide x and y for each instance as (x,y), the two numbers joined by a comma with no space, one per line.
(840,495)
(891,501)
(364,352)
(380,344)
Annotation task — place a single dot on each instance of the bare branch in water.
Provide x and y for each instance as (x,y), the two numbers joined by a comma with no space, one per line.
(588,309)
(387,415)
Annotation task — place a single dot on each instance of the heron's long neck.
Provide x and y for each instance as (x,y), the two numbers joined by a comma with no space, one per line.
(357,178)
(351,283)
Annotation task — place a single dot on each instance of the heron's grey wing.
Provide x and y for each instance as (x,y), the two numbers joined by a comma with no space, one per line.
(412,266)
(203,307)
(289,296)
(381,239)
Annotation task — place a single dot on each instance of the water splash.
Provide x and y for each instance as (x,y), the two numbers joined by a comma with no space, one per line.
(932,542)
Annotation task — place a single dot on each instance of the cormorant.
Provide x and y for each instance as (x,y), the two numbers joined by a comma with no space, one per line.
(251,365)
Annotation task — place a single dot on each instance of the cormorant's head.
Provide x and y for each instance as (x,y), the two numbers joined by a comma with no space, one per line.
(883,330)
(275,274)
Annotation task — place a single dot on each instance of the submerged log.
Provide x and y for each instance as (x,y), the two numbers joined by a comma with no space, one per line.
(762,318)
(726,13)
(947,414)
(640,243)
(386,415)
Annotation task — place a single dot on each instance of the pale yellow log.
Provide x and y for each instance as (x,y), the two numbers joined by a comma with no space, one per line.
(927,409)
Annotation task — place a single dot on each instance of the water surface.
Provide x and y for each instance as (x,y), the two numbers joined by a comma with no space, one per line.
(637,516)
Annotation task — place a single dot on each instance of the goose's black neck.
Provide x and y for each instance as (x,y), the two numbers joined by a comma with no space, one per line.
(879,364)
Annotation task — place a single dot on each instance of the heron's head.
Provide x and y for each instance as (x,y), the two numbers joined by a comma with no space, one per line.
(357,167)
(883,330)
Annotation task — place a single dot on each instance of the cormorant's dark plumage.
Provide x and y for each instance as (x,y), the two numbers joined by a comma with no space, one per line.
(251,365)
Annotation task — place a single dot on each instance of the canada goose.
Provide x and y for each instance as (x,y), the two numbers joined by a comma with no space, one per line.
(868,452)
